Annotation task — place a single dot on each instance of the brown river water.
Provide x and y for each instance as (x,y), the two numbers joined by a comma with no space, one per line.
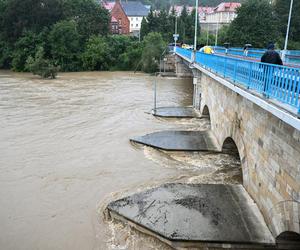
(65,154)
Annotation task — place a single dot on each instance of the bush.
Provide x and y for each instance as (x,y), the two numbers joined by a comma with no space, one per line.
(5,55)
(153,48)
(26,46)
(131,58)
(41,66)
(65,45)
(97,54)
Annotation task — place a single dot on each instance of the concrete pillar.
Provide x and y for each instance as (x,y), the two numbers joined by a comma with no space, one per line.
(197,89)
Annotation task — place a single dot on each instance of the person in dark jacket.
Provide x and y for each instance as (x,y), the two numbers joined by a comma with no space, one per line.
(271,56)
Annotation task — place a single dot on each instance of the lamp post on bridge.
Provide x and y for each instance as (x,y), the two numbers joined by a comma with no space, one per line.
(196,33)
(287,32)
(175,35)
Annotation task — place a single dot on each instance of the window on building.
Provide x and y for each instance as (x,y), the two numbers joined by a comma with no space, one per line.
(136,25)
(132,25)
(120,21)
(132,19)
(137,19)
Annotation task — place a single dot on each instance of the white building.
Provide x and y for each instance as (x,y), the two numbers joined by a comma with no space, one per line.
(135,12)
(224,13)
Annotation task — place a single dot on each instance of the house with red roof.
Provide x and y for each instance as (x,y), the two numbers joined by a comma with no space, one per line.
(224,13)
(119,23)
(126,16)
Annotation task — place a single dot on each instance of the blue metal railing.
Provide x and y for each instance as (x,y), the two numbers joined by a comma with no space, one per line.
(292,56)
(273,81)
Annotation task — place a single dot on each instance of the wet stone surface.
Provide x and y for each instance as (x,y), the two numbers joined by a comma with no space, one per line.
(176,112)
(179,140)
(196,212)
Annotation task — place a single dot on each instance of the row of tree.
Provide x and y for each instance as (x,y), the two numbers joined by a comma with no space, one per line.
(258,22)
(261,21)
(44,36)
(164,23)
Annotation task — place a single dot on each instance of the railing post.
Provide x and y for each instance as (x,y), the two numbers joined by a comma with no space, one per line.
(234,73)
(250,74)
(154,88)
(268,81)
(225,64)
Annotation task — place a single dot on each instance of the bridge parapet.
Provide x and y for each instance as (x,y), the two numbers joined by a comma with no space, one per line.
(267,138)
(279,83)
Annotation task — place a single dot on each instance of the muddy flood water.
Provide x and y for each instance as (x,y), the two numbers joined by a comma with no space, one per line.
(65,154)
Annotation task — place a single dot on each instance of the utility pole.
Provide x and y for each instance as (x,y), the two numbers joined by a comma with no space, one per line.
(217,31)
(207,35)
(175,35)
(287,32)
(196,32)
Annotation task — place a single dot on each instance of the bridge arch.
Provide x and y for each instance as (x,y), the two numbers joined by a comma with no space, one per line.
(284,220)
(205,111)
(229,147)
(206,114)
(288,240)
(234,145)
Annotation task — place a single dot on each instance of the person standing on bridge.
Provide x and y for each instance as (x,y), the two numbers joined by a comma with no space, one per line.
(271,57)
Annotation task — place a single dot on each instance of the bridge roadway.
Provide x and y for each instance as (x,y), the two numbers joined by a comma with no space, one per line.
(254,59)
(254,108)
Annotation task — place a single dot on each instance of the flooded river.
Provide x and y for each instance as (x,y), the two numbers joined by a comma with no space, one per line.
(65,153)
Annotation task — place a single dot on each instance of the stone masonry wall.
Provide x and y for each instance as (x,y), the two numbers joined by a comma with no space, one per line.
(269,150)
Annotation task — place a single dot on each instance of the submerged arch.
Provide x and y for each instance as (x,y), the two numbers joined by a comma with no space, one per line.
(229,147)
(288,240)
(205,112)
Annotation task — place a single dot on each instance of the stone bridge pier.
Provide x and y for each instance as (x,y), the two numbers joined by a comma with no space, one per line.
(267,139)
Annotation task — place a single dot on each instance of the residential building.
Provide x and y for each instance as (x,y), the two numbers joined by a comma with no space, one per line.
(135,12)
(212,18)
(224,13)
(119,20)
(202,11)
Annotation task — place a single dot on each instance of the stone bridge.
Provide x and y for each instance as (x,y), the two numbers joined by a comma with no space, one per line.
(265,135)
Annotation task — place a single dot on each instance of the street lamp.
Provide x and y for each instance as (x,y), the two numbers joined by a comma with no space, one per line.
(287,32)
(175,35)
(196,29)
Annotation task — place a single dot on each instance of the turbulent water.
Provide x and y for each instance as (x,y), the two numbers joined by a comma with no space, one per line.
(65,155)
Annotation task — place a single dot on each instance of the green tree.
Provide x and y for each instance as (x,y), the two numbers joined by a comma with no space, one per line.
(255,24)
(183,23)
(130,59)
(204,40)
(282,8)
(41,66)
(26,46)
(223,35)
(153,48)
(97,54)
(117,46)
(190,27)
(65,45)
(144,28)
(164,27)
(90,17)
(19,16)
